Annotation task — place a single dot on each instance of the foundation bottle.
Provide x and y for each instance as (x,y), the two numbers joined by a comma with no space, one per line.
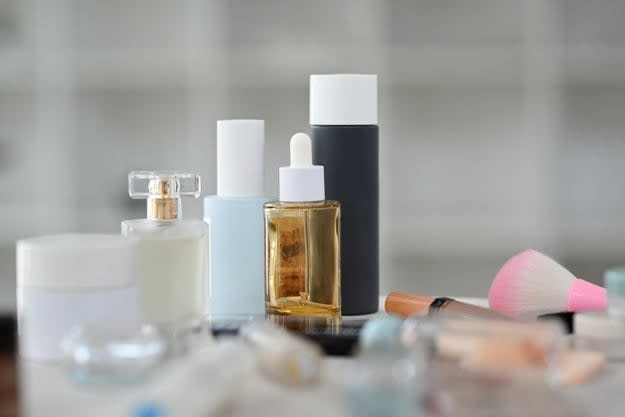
(172,251)
(302,241)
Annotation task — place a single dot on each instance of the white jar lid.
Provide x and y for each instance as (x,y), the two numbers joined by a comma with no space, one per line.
(77,261)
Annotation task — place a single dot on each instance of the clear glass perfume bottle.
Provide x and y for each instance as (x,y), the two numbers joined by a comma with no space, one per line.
(173,251)
(302,241)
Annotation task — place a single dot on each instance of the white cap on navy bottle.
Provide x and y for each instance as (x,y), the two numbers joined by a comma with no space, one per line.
(344,99)
(240,156)
(301,181)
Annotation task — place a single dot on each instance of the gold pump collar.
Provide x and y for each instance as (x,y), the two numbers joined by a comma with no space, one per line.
(161,205)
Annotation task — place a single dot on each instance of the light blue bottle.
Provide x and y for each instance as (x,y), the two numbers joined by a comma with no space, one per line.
(236,221)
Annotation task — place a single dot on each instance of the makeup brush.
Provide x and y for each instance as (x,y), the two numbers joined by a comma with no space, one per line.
(530,284)
(405,304)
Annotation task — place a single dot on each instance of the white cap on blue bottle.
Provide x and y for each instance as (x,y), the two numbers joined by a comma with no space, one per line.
(301,181)
(240,157)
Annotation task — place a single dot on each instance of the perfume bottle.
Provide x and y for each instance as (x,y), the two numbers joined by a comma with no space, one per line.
(235,218)
(344,117)
(172,251)
(302,241)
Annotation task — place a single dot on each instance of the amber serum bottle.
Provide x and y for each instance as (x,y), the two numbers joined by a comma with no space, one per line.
(302,241)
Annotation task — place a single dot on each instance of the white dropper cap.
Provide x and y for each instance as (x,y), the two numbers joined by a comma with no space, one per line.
(240,156)
(344,99)
(301,181)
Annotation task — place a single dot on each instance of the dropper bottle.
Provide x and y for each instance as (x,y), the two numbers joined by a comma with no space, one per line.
(172,250)
(302,241)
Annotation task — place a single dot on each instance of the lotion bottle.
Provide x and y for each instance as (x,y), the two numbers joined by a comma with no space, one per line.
(235,218)
(172,251)
(344,124)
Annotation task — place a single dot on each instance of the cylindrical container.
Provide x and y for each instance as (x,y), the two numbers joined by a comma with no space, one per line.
(235,218)
(344,118)
(72,280)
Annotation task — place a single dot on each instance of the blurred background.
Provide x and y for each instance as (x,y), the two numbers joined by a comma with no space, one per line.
(502,121)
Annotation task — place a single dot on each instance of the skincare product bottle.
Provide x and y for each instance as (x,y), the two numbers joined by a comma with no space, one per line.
(344,118)
(64,281)
(235,218)
(302,241)
(172,261)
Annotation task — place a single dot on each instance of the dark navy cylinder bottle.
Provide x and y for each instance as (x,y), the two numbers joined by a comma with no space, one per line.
(345,141)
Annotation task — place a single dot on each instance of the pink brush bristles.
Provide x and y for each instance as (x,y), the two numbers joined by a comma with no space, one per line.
(503,284)
(530,284)
(586,296)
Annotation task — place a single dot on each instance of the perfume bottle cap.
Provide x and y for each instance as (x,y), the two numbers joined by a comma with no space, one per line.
(301,181)
(240,156)
(163,190)
(344,99)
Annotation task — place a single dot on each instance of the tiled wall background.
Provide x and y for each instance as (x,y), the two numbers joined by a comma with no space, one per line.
(502,121)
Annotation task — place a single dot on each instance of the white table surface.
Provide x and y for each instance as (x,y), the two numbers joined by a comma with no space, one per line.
(46,391)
